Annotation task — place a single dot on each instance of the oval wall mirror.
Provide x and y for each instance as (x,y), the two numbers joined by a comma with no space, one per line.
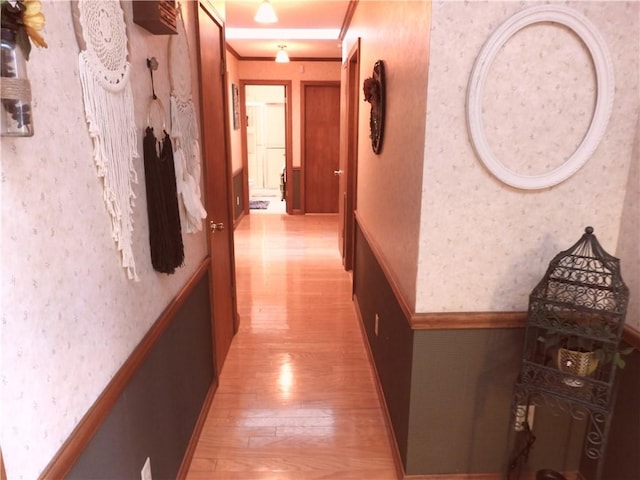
(604,94)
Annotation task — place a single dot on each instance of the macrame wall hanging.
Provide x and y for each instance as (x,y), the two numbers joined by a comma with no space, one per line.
(165,235)
(108,102)
(184,131)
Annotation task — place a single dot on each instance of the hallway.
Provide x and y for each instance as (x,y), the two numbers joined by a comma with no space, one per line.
(297,398)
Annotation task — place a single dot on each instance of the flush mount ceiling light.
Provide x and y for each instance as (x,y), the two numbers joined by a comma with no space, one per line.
(282,56)
(265,13)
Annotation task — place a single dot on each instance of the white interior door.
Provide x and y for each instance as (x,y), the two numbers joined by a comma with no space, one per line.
(266,137)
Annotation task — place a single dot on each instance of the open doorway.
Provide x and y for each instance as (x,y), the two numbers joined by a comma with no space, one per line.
(265,142)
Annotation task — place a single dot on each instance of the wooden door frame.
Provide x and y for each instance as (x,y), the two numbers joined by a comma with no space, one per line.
(3,473)
(288,154)
(349,164)
(209,9)
(303,128)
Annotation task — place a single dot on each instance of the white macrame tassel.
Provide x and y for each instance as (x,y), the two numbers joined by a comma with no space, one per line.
(112,128)
(187,164)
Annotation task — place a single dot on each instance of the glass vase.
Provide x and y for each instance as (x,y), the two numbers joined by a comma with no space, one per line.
(15,90)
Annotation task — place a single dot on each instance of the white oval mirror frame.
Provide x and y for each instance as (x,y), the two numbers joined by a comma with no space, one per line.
(604,94)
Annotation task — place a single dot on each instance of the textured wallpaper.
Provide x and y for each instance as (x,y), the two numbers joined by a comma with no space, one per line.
(390,184)
(629,240)
(70,317)
(483,244)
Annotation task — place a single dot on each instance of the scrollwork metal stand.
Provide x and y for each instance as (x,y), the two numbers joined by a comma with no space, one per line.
(574,326)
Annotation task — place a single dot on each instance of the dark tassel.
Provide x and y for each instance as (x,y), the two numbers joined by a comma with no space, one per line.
(165,234)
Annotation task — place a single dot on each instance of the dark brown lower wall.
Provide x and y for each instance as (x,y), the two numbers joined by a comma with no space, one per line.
(461,397)
(296,204)
(238,195)
(622,457)
(448,391)
(157,411)
(390,342)
(461,405)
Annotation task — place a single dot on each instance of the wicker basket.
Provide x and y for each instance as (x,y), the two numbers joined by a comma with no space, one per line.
(577,363)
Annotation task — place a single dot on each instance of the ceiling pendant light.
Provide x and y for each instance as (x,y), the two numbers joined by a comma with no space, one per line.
(265,13)
(282,56)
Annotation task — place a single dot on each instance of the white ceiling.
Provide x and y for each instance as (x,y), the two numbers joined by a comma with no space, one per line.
(308,28)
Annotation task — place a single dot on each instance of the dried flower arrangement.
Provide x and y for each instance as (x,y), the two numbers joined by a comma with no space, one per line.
(371,89)
(25,19)
(21,22)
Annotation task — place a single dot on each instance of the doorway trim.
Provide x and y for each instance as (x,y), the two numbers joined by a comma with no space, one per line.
(349,154)
(303,136)
(216,170)
(288,154)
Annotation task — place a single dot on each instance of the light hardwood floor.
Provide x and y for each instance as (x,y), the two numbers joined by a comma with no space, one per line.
(297,397)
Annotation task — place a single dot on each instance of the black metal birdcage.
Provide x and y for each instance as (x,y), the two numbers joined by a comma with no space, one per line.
(572,336)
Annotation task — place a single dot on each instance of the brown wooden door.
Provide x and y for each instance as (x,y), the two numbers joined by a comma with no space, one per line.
(215,141)
(349,155)
(321,146)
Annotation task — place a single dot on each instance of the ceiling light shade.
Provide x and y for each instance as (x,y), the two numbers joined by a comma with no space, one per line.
(282,56)
(265,13)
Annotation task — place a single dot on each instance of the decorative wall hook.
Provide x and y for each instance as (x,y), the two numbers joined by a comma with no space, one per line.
(155,105)
(152,64)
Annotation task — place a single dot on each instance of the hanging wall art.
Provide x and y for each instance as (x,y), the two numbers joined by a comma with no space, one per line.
(374,93)
(108,102)
(184,131)
(565,18)
(165,235)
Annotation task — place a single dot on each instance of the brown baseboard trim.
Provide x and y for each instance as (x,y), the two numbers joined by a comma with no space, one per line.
(485,476)
(197,431)
(65,458)
(467,320)
(381,400)
(471,320)
(458,476)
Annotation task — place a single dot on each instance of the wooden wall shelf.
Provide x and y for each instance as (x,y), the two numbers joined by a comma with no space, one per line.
(157,16)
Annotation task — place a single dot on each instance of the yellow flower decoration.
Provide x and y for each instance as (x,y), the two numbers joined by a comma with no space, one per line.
(33,20)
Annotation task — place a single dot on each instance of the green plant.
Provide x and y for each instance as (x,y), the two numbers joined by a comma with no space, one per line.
(617,356)
(597,339)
